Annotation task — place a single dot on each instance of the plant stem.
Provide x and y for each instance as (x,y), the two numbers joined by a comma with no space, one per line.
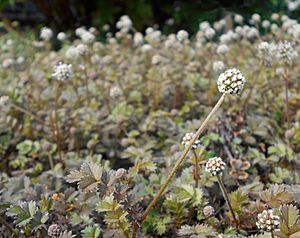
(50,161)
(28,113)
(182,157)
(225,194)
(7,225)
(196,175)
(272,234)
(287,116)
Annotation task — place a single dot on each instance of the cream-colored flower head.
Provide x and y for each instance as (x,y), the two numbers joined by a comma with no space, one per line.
(267,221)
(215,166)
(231,81)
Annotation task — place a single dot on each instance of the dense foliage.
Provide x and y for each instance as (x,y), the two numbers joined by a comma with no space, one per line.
(89,133)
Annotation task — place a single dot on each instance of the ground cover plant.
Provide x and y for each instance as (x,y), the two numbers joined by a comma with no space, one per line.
(152,135)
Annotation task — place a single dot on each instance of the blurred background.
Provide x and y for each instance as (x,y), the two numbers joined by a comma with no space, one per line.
(167,15)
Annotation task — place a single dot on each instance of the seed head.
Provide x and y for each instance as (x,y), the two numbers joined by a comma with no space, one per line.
(267,221)
(62,71)
(231,81)
(187,138)
(54,231)
(208,211)
(215,166)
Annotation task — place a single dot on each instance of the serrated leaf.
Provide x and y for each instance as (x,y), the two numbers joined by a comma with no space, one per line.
(107,204)
(74,176)
(91,232)
(289,218)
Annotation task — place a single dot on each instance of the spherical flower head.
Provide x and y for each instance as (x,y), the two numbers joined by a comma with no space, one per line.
(54,231)
(222,49)
(215,166)
(265,24)
(218,67)
(266,52)
(286,53)
(61,36)
(208,211)
(182,35)
(72,53)
(187,138)
(138,39)
(62,71)
(209,33)
(115,92)
(238,19)
(82,49)
(46,33)
(204,25)
(146,48)
(87,37)
(231,81)
(267,221)
(256,18)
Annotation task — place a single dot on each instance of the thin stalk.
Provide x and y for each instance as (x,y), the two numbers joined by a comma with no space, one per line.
(56,131)
(225,194)
(182,157)
(196,175)
(286,80)
(50,161)
(7,225)
(86,79)
(272,234)
(28,113)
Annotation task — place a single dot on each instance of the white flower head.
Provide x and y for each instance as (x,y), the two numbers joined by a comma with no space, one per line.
(222,49)
(46,33)
(187,138)
(267,221)
(182,35)
(82,49)
(72,53)
(62,71)
(231,81)
(87,37)
(61,36)
(266,52)
(218,67)
(286,52)
(238,19)
(138,39)
(215,166)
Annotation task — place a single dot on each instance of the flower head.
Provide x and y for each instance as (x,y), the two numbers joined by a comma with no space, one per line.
(62,71)
(285,52)
(267,221)
(54,231)
(46,33)
(187,138)
(215,166)
(231,81)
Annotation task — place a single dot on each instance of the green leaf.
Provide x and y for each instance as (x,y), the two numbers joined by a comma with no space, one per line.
(289,223)
(91,232)
(107,204)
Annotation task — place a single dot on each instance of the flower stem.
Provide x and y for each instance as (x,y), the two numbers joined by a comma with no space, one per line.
(182,157)
(272,234)
(287,116)
(225,194)
(196,172)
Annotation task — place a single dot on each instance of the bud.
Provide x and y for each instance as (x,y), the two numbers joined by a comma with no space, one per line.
(54,231)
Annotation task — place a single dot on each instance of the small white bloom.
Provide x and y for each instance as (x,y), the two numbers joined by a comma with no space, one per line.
(182,35)
(215,166)
(46,33)
(72,53)
(218,67)
(61,36)
(222,49)
(62,71)
(267,221)
(231,81)
(187,138)
(138,39)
